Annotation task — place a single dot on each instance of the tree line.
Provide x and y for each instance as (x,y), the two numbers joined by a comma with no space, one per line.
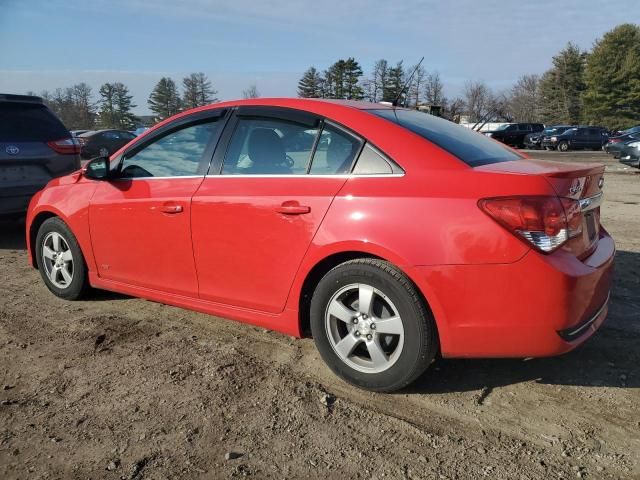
(77,108)
(598,87)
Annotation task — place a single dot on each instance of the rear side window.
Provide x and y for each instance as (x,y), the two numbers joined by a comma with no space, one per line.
(269,146)
(373,162)
(335,152)
(21,122)
(471,147)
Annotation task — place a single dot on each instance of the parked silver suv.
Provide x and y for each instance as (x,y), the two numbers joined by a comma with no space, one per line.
(34,148)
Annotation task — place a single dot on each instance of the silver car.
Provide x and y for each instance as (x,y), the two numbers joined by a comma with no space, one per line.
(34,148)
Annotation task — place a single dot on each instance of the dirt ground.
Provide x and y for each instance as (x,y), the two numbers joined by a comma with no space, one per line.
(121,388)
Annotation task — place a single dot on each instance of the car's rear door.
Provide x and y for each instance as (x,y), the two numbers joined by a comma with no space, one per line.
(141,220)
(257,211)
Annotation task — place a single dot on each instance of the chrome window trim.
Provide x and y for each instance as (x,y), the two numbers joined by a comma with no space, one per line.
(304,175)
(126,179)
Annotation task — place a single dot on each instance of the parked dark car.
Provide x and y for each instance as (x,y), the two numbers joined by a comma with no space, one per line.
(102,143)
(513,133)
(616,144)
(534,140)
(576,138)
(34,148)
(619,133)
(630,154)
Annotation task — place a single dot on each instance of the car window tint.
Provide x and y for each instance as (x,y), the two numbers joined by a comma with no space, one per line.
(269,146)
(335,152)
(471,147)
(177,154)
(29,123)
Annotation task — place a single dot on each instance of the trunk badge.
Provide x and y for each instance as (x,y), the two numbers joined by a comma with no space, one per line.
(601,182)
(12,150)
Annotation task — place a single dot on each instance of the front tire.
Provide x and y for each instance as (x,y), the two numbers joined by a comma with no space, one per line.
(60,260)
(371,326)
(563,146)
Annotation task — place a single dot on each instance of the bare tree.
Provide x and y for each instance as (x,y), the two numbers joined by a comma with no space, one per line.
(251,92)
(454,109)
(374,86)
(478,100)
(417,84)
(523,99)
(434,89)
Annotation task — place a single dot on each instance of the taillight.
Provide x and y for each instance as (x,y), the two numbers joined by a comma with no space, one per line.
(615,140)
(545,222)
(65,146)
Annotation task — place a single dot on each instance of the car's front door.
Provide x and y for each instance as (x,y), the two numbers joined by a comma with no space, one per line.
(140,221)
(256,214)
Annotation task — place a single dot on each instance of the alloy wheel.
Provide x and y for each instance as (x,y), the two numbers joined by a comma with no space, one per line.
(364,328)
(57,260)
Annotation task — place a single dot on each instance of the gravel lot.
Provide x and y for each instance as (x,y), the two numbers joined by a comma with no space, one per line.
(121,388)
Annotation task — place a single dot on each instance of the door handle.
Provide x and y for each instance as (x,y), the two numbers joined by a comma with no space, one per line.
(170,208)
(293,208)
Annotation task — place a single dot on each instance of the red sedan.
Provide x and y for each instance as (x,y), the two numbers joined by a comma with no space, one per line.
(387,234)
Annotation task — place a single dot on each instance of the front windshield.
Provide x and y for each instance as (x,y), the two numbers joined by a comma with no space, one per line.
(503,127)
(471,147)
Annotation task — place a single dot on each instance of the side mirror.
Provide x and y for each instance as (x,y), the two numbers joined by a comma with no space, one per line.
(97,169)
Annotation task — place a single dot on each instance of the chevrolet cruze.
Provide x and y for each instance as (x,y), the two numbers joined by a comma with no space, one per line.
(388,235)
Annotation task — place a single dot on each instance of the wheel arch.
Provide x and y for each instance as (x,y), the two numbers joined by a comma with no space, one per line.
(323,266)
(34,226)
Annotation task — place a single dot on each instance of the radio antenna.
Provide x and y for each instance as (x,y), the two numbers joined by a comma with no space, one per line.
(407,85)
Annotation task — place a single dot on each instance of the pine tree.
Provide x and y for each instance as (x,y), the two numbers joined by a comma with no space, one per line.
(310,85)
(612,77)
(197,91)
(562,87)
(394,84)
(164,100)
(335,80)
(115,106)
(351,80)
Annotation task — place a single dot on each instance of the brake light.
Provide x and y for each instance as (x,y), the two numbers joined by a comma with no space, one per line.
(615,140)
(65,146)
(545,222)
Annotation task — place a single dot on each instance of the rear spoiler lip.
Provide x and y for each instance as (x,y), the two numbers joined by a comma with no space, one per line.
(587,170)
(10,97)
(546,168)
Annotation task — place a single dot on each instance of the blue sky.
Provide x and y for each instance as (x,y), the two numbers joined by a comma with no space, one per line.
(46,44)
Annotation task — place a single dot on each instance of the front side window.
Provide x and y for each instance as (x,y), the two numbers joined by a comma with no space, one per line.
(471,147)
(176,154)
(269,146)
(335,152)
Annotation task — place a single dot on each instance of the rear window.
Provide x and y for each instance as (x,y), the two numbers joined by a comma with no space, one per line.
(29,123)
(471,147)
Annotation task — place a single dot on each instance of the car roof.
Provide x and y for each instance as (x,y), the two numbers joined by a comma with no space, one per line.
(9,97)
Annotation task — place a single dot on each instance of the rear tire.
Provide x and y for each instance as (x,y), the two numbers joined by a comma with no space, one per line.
(371,325)
(60,260)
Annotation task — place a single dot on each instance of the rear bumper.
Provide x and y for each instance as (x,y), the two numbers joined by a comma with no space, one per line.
(542,305)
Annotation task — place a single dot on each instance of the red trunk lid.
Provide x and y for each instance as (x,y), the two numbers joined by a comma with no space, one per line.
(579,181)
